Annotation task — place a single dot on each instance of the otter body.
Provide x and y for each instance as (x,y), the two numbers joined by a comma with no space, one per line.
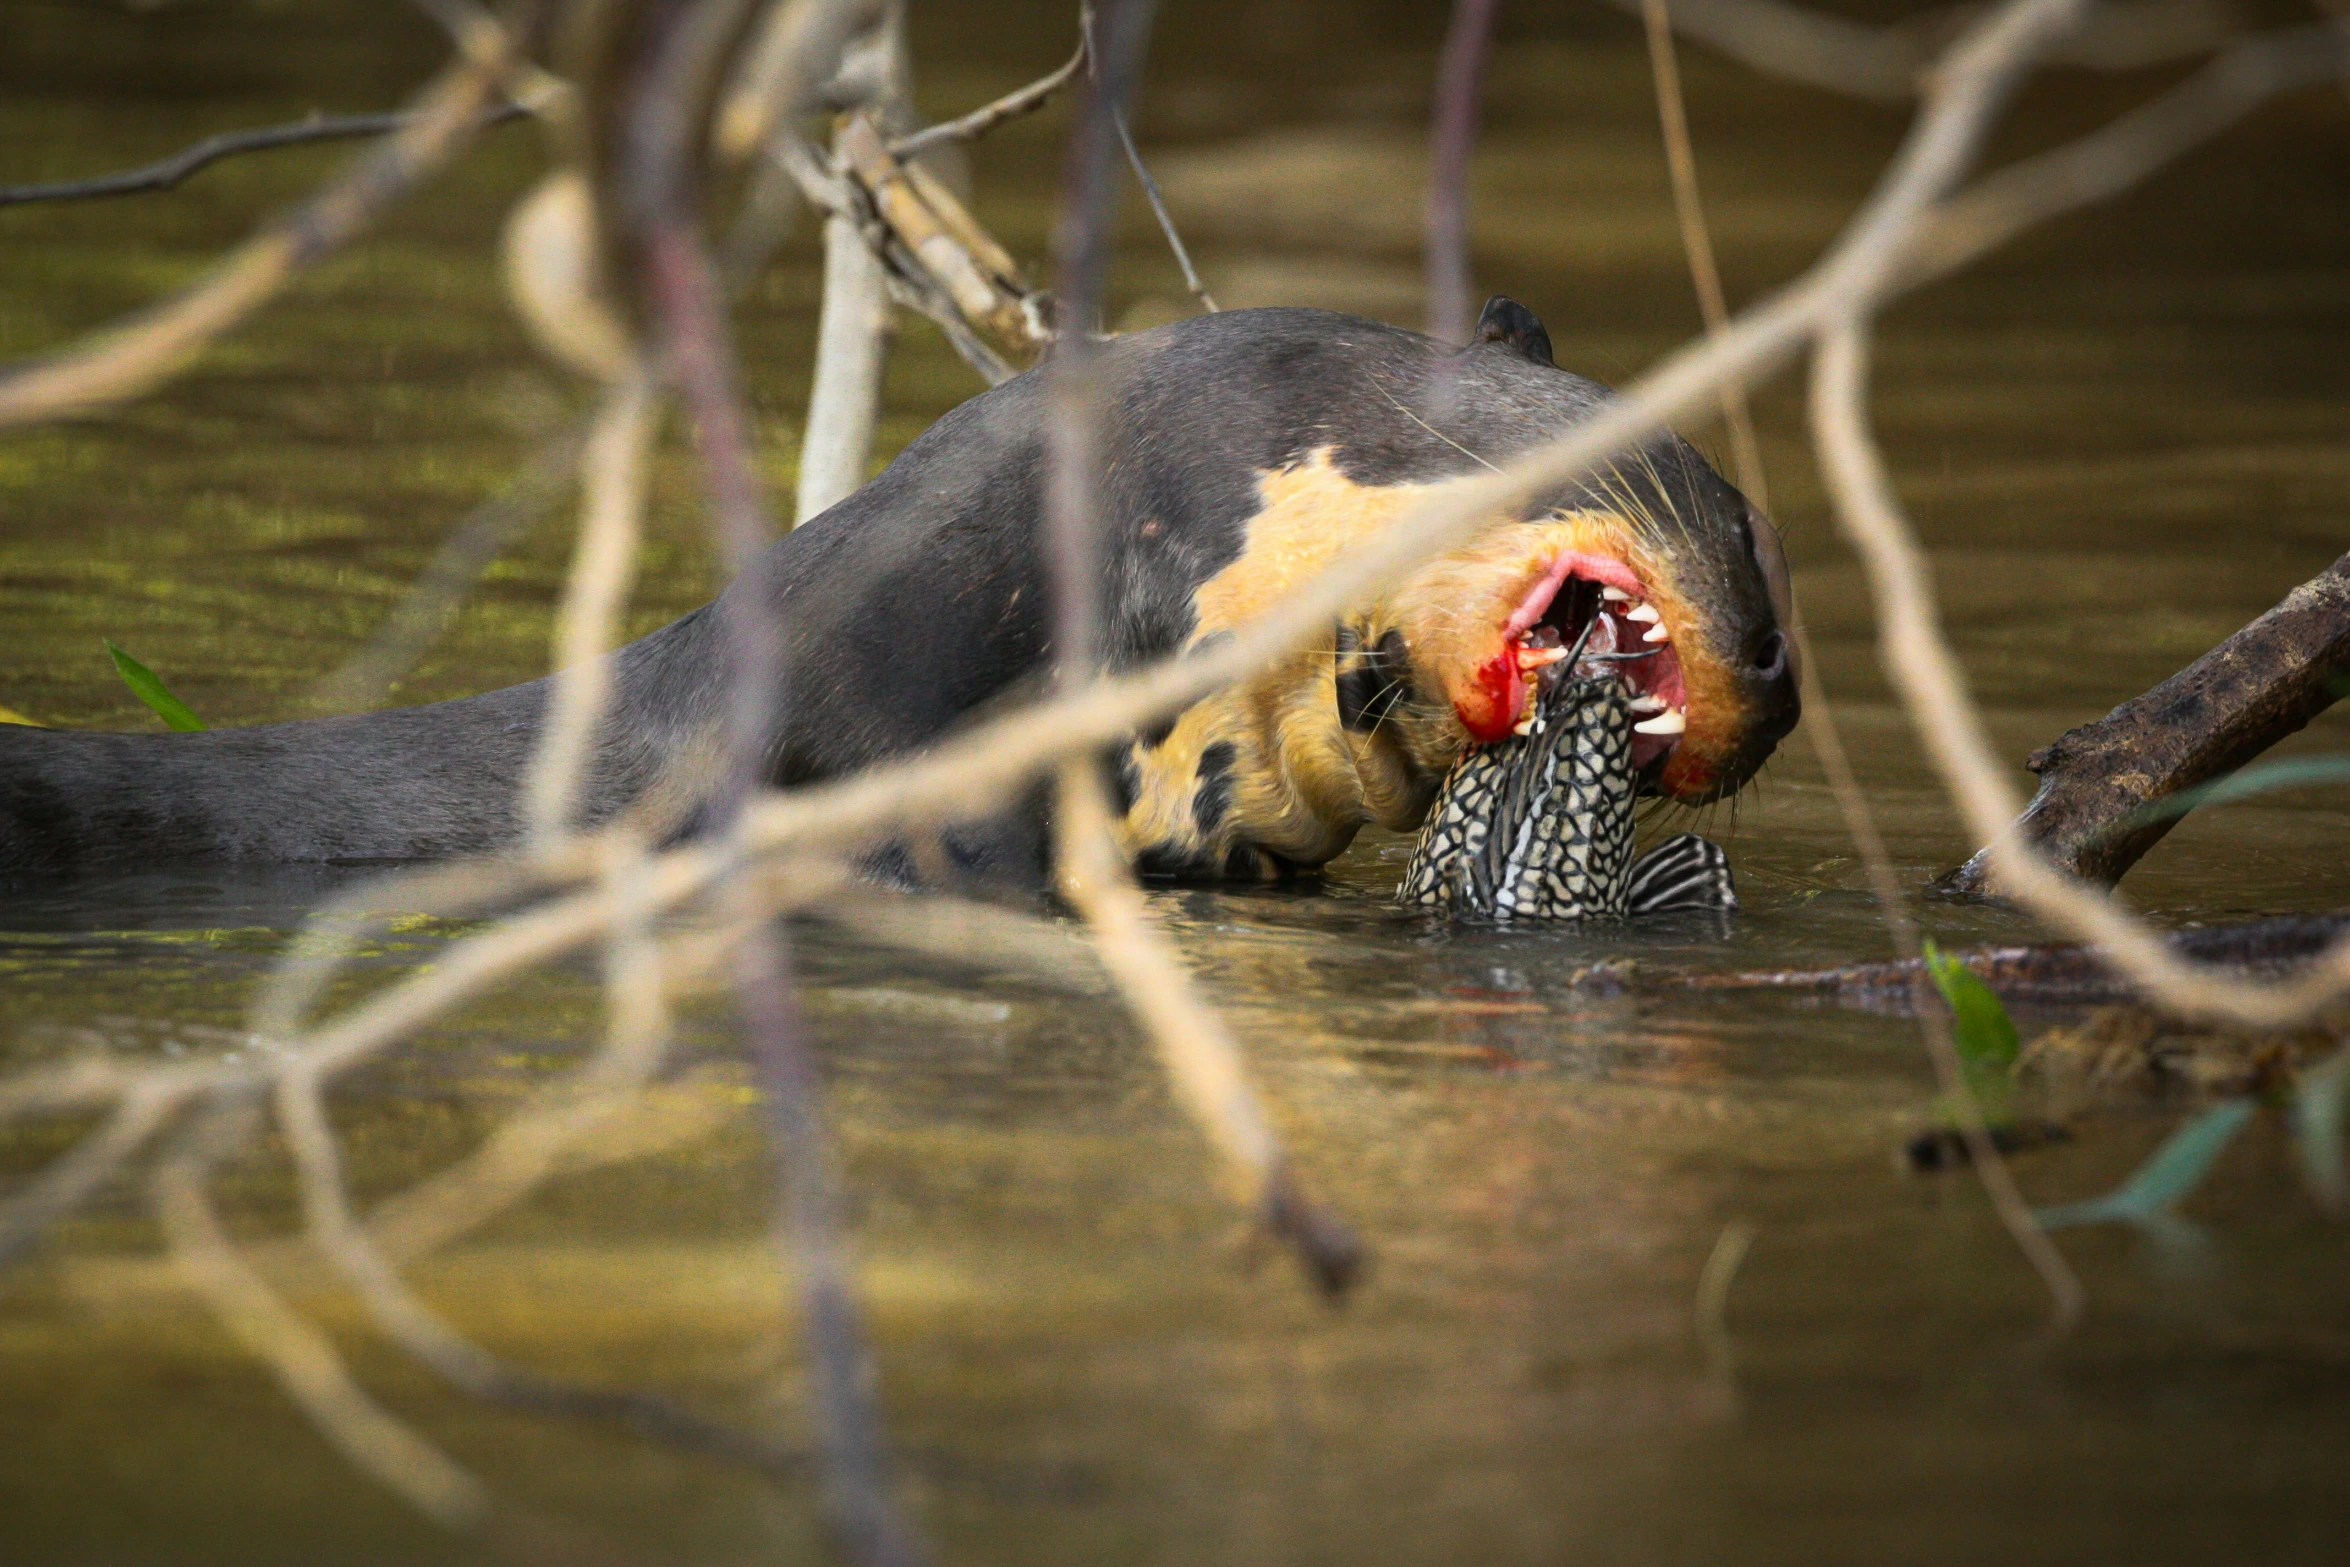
(1239,453)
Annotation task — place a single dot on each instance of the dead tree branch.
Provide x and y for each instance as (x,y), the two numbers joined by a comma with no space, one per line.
(166,173)
(985,118)
(1827,741)
(1460,74)
(2260,685)
(605,887)
(133,358)
(1887,64)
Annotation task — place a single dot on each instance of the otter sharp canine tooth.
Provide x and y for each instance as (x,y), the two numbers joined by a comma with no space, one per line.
(1646,612)
(1649,704)
(1671,721)
(1657,634)
(1614,595)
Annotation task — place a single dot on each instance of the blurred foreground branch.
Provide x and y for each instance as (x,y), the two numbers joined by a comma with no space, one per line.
(727,80)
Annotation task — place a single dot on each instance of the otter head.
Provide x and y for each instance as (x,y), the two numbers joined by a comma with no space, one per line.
(1655,563)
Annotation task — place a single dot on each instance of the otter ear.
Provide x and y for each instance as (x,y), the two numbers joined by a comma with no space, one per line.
(1507,321)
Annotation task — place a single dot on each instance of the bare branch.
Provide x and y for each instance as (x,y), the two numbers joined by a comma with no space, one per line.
(146,1105)
(1460,73)
(1011,106)
(1143,176)
(1697,241)
(2090,814)
(1196,1051)
(662,171)
(602,572)
(166,173)
(432,600)
(1888,64)
(1158,201)
(1827,742)
(305,1362)
(2117,156)
(139,355)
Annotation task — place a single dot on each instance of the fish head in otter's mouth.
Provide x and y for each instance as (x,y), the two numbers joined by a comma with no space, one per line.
(1692,614)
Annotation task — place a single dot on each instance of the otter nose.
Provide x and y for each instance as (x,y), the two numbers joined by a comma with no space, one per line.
(1773,680)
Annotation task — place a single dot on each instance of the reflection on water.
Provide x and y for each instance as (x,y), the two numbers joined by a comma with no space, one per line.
(2122,441)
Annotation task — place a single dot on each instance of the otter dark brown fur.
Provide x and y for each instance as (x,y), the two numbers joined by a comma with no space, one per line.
(1240,452)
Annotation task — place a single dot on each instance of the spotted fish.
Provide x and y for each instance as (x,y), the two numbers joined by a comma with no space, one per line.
(1539,826)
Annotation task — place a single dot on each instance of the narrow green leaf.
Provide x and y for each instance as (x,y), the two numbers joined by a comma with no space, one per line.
(2169,1173)
(2318,1105)
(2299,772)
(149,688)
(1983,1032)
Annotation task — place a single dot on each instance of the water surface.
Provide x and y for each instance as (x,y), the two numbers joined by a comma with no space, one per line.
(2121,440)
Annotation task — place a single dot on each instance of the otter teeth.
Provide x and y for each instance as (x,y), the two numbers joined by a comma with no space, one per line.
(1671,721)
(1648,702)
(1613,594)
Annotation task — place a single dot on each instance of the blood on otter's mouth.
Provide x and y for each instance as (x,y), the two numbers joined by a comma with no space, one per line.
(1600,603)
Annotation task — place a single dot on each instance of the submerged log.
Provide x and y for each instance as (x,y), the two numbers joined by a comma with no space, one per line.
(2260,685)
(2065,974)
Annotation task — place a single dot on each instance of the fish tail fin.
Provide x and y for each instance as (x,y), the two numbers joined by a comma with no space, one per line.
(1683,872)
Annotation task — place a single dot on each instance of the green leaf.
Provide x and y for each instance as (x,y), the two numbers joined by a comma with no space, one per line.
(2318,1106)
(2170,1173)
(1983,1032)
(149,688)
(2296,773)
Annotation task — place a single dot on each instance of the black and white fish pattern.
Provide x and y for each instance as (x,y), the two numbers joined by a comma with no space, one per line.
(1539,826)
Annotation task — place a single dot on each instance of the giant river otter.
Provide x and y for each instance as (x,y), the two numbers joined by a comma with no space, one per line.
(1240,452)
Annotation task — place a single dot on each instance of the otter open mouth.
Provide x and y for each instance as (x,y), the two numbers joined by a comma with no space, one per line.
(1598,605)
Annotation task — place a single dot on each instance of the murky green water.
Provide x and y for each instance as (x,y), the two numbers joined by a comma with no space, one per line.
(2122,440)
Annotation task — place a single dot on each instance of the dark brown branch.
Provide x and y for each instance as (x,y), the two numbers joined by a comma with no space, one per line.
(2254,689)
(169,172)
(2060,974)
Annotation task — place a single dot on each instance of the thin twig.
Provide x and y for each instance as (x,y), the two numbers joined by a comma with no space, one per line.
(168,172)
(602,571)
(662,173)
(1143,175)
(304,1361)
(146,1105)
(1712,1307)
(1697,242)
(1887,64)
(138,355)
(1460,72)
(430,603)
(2123,152)
(1158,201)
(1198,1054)
(1200,1058)
(987,117)
(1826,740)
(1864,502)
